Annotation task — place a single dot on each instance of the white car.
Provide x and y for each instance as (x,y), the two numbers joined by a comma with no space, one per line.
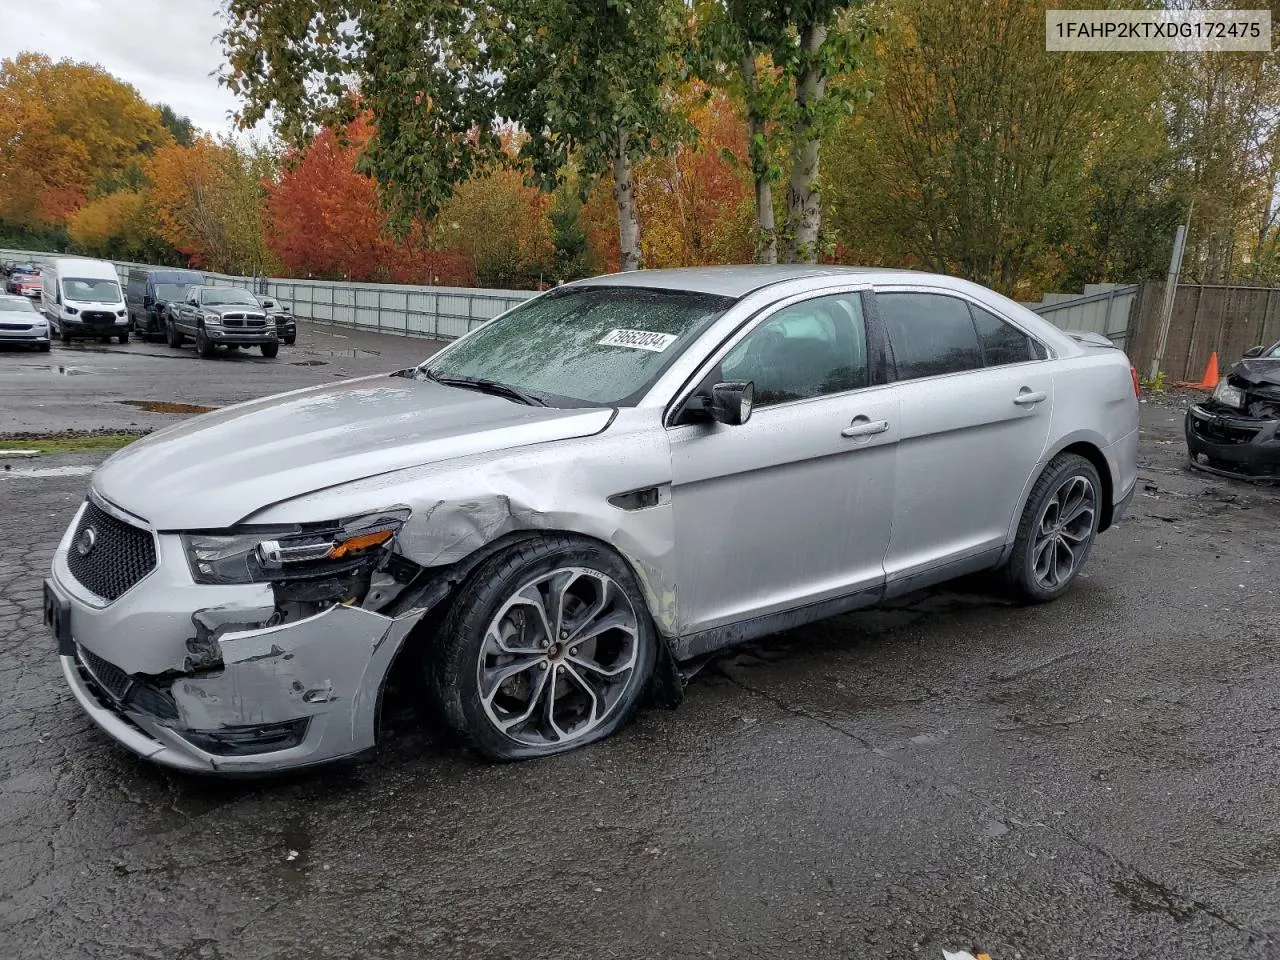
(22,323)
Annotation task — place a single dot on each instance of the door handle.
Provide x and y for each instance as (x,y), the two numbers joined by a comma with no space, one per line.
(1027,398)
(862,427)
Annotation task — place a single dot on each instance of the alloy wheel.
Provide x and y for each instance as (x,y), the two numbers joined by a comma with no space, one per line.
(1063,532)
(558,657)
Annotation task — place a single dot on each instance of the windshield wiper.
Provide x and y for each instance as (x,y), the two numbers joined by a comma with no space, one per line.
(488,386)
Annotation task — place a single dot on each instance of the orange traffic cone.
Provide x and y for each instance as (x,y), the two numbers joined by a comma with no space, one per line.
(1210,378)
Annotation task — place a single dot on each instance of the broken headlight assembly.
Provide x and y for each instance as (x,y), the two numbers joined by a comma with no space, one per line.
(317,551)
(1228,395)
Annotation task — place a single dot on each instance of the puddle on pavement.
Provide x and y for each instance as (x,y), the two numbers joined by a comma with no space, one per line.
(81,470)
(164,406)
(352,354)
(309,363)
(60,369)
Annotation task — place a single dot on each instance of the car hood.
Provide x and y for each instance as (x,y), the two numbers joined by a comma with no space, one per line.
(214,470)
(1258,371)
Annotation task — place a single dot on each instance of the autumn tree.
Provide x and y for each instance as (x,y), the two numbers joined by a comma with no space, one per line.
(499,223)
(696,198)
(65,129)
(208,202)
(119,226)
(583,79)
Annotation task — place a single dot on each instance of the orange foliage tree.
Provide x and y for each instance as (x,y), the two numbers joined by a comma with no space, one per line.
(324,220)
(696,202)
(67,130)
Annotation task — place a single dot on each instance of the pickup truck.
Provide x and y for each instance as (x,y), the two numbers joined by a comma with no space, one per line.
(221,316)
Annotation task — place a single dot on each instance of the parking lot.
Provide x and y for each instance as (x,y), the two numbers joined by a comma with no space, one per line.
(1095,778)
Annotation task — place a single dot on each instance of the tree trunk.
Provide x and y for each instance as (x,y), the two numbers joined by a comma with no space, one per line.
(624,194)
(803,213)
(766,230)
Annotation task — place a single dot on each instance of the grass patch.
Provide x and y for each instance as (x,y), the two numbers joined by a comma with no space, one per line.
(81,443)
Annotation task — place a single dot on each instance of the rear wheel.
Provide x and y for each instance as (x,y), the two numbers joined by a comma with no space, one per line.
(204,346)
(269,350)
(548,647)
(1057,529)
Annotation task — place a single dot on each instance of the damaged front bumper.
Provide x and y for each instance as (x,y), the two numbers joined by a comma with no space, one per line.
(1232,444)
(223,690)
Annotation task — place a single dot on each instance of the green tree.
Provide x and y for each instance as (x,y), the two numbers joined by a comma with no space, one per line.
(977,153)
(569,240)
(182,129)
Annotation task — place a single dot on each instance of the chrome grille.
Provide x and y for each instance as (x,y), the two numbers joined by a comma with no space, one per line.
(120,556)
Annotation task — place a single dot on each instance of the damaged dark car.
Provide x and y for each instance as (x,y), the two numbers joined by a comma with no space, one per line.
(1236,432)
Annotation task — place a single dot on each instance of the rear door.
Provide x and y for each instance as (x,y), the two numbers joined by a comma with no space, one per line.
(793,506)
(976,398)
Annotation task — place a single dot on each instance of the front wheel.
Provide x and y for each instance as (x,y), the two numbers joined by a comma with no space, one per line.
(1057,529)
(269,350)
(124,337)
(204,346)
(548,647)
(171,334)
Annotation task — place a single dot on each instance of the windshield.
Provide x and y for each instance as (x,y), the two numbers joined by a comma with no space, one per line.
(91,291)
(592,345)
(1273,353)
(170,291)
(216,295)
(13,303)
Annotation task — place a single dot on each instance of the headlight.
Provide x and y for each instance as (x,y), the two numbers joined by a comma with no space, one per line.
(119,313)
(211,318)
(72,311)
(1228,395)
(292,553)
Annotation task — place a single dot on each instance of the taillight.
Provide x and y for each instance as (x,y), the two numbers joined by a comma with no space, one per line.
(1137,387)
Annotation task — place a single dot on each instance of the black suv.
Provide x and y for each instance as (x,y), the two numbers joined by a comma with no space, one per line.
(148,293)
(221,316)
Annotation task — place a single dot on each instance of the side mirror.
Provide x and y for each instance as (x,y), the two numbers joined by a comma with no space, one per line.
(730,403)
(1254,352)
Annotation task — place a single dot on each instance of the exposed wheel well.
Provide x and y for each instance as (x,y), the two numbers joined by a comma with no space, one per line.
(1094,456)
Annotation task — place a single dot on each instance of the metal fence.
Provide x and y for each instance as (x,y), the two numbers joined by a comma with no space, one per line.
(1102,308)
(420,311)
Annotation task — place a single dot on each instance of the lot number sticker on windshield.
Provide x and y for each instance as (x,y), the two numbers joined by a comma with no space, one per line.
(638,340)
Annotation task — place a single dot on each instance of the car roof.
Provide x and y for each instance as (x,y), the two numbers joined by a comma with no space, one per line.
(735,281)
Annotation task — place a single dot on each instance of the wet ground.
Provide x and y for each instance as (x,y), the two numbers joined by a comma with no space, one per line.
(1096,778)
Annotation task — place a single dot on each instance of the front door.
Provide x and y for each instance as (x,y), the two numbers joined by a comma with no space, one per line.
(794,506)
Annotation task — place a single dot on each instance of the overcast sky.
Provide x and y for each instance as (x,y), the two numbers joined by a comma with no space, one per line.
(166,48)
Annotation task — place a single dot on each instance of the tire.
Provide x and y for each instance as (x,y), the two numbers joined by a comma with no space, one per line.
(269,350)
(64,336)
(124,337)
(1048,552)
(45,347)
(289,341)
(594,584)
(171,335)
(204,346)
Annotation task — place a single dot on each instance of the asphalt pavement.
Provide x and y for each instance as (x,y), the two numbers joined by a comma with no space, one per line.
(1095,778)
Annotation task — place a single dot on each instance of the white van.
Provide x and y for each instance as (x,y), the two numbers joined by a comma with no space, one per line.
(82,298)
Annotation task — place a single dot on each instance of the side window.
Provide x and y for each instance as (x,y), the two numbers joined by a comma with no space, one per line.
(808,349)
(930,334)
(1002,343)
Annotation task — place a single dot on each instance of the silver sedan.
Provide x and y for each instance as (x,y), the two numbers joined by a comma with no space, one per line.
(22,323)
(575,503)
